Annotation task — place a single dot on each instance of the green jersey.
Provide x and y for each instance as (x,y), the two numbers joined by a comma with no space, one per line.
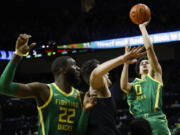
(145,96)
(61,113)
(145,101)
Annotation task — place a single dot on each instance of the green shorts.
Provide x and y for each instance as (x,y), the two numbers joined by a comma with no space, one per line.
(159,124)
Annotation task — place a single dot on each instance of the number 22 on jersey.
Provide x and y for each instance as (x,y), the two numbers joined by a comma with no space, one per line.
(66,115)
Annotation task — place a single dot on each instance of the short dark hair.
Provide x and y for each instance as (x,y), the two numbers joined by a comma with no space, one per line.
(59,62)
(138,63)
(140,126)
(88,67)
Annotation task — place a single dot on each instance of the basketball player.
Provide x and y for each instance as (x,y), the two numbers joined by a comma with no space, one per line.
(102,117)
(144,94)
(58,103)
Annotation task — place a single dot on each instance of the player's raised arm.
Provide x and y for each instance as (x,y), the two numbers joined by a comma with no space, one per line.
(7,86)
(107,66)
(124,82)
(156,67)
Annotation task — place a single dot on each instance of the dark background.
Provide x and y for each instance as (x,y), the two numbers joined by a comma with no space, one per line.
(69,21)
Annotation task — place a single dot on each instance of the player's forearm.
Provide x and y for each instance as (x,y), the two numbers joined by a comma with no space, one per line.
(146,39)
(6,85)
(153,60)
(124,78)
(108,66)
(83,123)
(150,50)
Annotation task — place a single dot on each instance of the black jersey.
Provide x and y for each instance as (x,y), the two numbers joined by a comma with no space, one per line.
(102,118)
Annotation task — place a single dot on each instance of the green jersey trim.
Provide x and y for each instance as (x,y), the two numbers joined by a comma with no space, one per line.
(129,109)
(49,99)
(155,79)
(139,79)
(41,121)
(150,78)
(61,91)
(157,98)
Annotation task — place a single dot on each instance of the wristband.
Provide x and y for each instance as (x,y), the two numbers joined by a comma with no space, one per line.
(21,54)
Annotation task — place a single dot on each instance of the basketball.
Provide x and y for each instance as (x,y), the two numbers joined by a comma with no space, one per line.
(140,13)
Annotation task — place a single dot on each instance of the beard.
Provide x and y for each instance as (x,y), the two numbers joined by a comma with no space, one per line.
(74,79)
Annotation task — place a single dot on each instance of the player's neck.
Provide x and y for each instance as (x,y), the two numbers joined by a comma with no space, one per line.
(143,76)
(63,84)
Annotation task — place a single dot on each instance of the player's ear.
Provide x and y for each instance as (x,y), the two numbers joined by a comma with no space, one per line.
(59,71)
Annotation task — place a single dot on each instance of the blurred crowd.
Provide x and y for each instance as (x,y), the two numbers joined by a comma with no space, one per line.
(65,23)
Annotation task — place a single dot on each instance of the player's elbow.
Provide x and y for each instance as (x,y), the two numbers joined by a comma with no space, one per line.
(124,88)
(95,73)
(125,91)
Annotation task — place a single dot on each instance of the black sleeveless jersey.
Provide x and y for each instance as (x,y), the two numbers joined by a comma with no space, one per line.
(102,118)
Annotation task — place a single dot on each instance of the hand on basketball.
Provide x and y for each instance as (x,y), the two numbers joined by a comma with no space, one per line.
(144,24)
(22,47)
(131,55)
(140,13)
(89,101)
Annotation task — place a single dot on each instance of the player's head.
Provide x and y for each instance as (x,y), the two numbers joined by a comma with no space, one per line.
(140,126)
(143,66)
(87,69)
(66,66)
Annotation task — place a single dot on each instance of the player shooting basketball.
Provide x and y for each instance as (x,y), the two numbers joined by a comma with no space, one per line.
(144,94)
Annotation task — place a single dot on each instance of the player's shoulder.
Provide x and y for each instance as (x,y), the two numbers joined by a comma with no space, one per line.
(155,79)
(38,85)
(136,80)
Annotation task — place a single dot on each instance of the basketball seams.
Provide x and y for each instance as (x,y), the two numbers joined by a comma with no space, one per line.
(139,13)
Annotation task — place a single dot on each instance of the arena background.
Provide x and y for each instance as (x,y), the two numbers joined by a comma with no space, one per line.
(53,23)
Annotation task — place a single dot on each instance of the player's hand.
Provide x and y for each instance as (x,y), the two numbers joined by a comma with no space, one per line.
(131,55)
(145,23)
(89,101)
(22,46)
(129,61)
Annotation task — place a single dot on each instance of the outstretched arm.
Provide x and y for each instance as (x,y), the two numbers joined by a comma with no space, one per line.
(156,67)
(124,82)
(101,70)
(7,86)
